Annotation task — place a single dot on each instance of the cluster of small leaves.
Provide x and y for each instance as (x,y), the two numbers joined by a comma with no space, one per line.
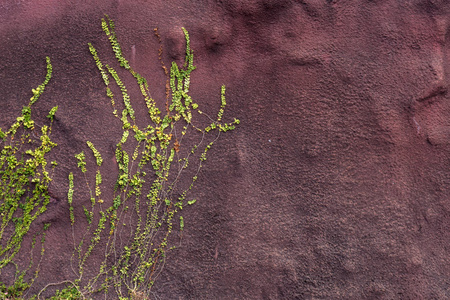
(51,114)
(70,198)
(81,161)
(138,220)
(24,180)
(97,155)
(69,293)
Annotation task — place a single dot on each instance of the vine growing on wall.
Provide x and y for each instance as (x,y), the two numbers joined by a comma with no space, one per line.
(157,166)
(25,176)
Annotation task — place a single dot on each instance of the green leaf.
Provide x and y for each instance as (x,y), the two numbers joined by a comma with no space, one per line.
(52,112)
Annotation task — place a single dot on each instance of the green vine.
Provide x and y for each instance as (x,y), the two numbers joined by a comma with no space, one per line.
(138,223)
(24,180)
(139,219)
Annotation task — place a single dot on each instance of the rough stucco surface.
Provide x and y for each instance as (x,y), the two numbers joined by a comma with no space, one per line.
(336,185)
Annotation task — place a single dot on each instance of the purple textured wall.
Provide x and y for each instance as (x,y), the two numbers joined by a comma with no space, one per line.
(336,185)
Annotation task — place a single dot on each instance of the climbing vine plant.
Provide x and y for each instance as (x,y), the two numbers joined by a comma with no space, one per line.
(25,176)
(134,228)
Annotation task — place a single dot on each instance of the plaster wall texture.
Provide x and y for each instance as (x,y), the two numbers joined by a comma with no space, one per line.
(336,185)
